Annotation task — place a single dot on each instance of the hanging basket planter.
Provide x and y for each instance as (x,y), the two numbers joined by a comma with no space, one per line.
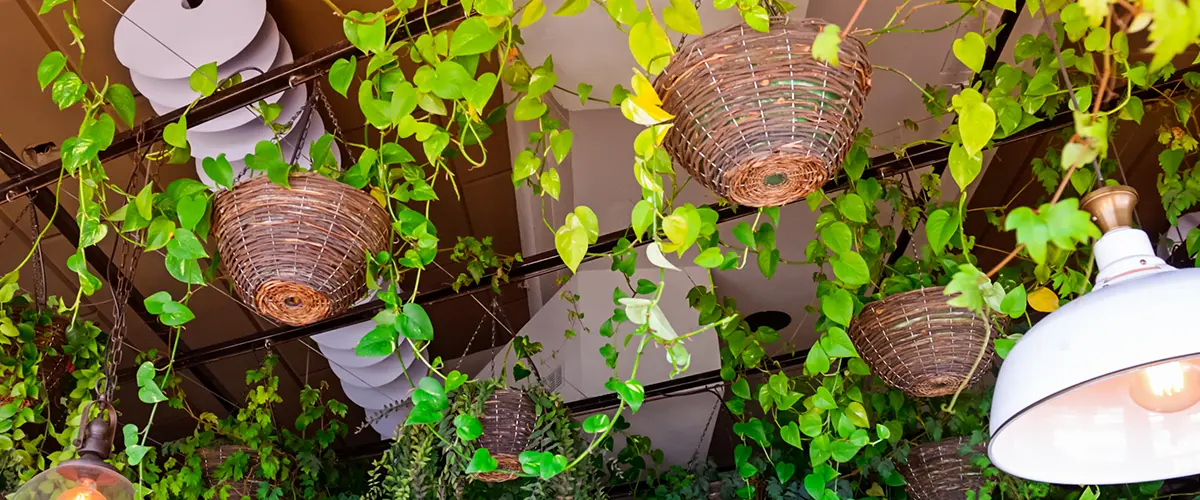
(298,255)
(916,342)
(508,419)
(938,471)
(758,120)
(211,459)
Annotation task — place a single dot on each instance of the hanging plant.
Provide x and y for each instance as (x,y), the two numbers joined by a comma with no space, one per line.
(758,119)
(452,457)
(298,251)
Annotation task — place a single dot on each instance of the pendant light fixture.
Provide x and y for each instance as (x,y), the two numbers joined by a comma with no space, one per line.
(86,477)
(1105,389)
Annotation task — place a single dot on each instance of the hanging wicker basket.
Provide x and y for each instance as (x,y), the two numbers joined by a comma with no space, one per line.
(916,342)
(758,120)
(940,471)
(508,420)
(211,459)
(299,255)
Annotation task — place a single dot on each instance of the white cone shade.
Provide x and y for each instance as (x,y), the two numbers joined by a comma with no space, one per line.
(1062,410)
(390,393)
(386,427)
(382,373)
(164,39)
(177,93)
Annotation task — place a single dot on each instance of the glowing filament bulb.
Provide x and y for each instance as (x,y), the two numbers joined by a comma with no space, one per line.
(1166,387)
(86,490)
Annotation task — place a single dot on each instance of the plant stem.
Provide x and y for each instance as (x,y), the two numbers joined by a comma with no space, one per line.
(850,24)
(1057,194)
(987,324)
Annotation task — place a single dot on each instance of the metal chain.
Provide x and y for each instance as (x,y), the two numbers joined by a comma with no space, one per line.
(39,265)
(711,417)
(683,39)
(16,221)
(337,129)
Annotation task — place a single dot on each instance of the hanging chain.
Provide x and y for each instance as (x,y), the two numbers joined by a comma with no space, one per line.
(16,222)
(337,129)
(39,265)
(711,417)
(128,256)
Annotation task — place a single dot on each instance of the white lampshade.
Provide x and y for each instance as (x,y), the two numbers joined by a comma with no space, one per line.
(1064,408)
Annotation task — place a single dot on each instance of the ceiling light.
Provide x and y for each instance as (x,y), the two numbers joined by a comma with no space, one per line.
(1105,389)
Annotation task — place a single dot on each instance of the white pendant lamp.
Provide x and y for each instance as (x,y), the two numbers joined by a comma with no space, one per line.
(1106,389)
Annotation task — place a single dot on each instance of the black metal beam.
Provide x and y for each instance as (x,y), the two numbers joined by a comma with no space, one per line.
(244,94)
(595,404)
(48,205)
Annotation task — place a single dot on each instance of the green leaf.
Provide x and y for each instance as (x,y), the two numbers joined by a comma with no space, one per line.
(47,5)
(584,90)
(741,388)
(759,20)
(472,36)
(650,45)
(939,228)
(560,143)
(122,101)
(454,380)
(542,80)
(380,341)
(976,120)
(550,182)
(529,109)
(784,471)
(185,245)
(219,170)
(417,325)
(587,218)
(964,288)
(50,67)
(744,234)
(175,133)
(534,10)
(482,462)
(857,414)
(971,49)
(851,269)
(827,44)
(641,218)
(682,16)
(596,423)
(342,73)
(883,431)
(811,423)
(133,452)
(372,32)
(823,399)
(837,344)
(467,427)
(572,7)
(1014,302)
(160,233)
(1009,5)
(817,361)
(204,79)
(852,207)
(191,211)
(144,201)
(791,435)
(571,242)
(710,258)
(525,165)
(964,167)
(838,237)
(838,306)
(68,89)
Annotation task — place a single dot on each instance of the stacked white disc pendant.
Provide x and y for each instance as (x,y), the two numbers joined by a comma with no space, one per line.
(162,42)
(378,384)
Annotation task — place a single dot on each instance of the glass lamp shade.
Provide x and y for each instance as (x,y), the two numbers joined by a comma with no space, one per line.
(83,479)
(1105,389)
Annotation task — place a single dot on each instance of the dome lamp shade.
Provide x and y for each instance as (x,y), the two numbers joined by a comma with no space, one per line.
(86,477)
(1104,390)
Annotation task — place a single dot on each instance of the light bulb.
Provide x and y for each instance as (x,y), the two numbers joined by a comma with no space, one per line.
(1166,387)
(85,491)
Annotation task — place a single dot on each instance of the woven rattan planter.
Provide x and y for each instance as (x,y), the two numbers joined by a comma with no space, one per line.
(508,420)
(937,471)
(917,343)
(758,120)
(298,254)
(211,459)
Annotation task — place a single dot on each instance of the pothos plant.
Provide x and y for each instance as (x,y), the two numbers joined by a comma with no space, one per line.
(47,362)
(437,460)
(280,462)
(443,104)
